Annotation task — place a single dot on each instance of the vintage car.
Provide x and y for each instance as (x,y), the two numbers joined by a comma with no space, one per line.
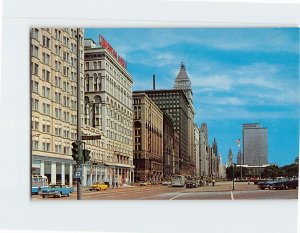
(166,182)
(98,186)
(191,183)
(266,184)
(56,190)
(286,184)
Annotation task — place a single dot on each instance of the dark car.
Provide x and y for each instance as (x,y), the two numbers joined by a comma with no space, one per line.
(286,184)
(191,184)
(266,184)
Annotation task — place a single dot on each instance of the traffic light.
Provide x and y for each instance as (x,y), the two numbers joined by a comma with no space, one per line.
(75,151)
(86,155)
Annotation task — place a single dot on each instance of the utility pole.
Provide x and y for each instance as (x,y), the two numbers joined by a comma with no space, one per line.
(79,191)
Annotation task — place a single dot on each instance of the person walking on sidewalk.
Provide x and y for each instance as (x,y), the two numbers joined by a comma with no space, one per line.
(213,182)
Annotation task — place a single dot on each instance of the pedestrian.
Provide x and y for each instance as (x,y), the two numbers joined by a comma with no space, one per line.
(213,182)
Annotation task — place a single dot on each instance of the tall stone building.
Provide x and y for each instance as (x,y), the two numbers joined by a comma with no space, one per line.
(175,103)
(217,157)
(230,158)
(197,150)
(54,70)
(176,156)
(148,139)
(255,145)
(183,82)
(168,145)
(204,150)
(108,107)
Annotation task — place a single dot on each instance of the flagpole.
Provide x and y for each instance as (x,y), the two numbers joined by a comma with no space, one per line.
(238,142)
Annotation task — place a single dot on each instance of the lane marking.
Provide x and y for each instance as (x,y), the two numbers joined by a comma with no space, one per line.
(231,194)
(177,196)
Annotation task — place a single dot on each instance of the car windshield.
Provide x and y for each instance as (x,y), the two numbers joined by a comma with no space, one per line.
(54,186)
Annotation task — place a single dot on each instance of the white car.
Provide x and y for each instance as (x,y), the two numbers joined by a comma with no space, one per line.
(166,183)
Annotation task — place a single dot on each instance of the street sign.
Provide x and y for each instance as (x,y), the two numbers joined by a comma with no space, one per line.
(78,175)
(90,137)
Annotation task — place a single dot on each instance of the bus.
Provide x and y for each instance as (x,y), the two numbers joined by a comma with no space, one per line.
(38,183)
(178,181)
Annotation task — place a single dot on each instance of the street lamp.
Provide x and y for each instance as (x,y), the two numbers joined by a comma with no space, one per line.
(233,167)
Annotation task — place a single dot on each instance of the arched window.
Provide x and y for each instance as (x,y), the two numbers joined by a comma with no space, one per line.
(99,82)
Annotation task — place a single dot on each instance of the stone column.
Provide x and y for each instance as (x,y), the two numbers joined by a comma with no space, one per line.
(71,175)
(42,168)
(62,173)
(96,173)
(53,172)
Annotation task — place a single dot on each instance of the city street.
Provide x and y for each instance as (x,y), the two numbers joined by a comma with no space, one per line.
(221,191)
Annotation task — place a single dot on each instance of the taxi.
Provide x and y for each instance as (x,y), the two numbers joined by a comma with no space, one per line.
(98,186)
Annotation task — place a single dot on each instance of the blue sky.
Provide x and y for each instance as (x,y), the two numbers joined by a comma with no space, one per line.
(238,75)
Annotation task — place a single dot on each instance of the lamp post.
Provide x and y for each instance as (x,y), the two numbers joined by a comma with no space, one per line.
(233,167)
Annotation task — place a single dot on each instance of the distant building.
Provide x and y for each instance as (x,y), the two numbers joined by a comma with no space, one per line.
(204,158)
(148,139)
(230,158)
(176,153)
(168,145)
(183,82)
(255,144)
(222,168)
(175,103)
(197,150)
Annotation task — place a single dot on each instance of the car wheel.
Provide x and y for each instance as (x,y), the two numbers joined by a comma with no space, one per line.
(262,188)
(43,196)
(68,194)
(286,187)
(59,195)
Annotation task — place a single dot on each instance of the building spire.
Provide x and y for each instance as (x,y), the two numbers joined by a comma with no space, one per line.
(183,82)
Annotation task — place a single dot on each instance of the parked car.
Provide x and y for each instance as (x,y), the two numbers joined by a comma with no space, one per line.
(166,183)
(98,186)
(56,190)
(266,184)
(286,184)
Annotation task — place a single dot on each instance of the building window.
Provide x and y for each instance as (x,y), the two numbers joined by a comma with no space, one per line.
(35,86)
(46,58)
(46,109)
(46,146)
(46,92)
(35,33)
(35,144)
(35,51)
(35,105)
(35,69)
(46,42)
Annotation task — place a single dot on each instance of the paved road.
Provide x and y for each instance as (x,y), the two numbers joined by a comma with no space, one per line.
(221,191)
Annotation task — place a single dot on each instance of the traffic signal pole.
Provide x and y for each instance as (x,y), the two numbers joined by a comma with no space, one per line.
(79,191)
